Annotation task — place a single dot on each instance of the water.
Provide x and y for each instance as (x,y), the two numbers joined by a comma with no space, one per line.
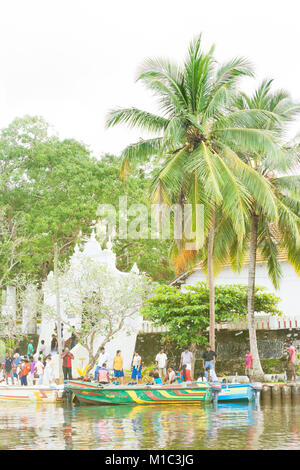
(47,426)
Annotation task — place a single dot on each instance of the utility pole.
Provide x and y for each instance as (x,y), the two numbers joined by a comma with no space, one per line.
(59,341)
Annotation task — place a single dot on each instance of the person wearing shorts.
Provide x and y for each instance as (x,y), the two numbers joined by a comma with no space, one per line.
(249,365)
(118,367)
(208,360)
(136,367)
(161,362)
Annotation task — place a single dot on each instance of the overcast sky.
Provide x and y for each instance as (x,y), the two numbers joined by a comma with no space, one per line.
(70,61)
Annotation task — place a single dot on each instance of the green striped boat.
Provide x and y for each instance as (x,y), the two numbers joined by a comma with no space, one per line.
(95,394)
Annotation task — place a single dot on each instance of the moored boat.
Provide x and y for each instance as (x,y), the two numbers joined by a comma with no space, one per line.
(239,392)
(95,394)
(35,393)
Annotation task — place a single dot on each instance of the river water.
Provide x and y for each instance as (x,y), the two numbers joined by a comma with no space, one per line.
(47,426)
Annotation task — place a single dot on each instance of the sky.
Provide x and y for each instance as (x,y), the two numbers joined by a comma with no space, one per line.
(71,61)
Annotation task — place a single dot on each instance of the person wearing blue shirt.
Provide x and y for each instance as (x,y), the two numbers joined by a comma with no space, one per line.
(157,378)
(30,350)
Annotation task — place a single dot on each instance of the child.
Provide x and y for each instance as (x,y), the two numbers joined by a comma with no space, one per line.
(185,374)
(103,375)
(211,375)
(118,367)
(201,376)
(171,376)
(178,378)
(157,379)
(136,367)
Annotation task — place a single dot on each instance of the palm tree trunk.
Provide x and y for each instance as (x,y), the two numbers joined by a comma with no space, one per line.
(258,373)
(211,284)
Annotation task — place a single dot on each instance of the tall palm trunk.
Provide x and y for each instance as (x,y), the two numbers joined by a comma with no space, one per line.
(257,369)
(211,284)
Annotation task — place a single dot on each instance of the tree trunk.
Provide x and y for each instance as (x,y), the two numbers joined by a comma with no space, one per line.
(58,317)
(211,284)
(193,349)
(258,373)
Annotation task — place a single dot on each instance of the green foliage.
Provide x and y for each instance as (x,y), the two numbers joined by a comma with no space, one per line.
(199,136)
(50,191)
(186,312)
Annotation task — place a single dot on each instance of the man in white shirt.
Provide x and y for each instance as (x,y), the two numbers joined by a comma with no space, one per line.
(161,362)
(186,359)
(102,359)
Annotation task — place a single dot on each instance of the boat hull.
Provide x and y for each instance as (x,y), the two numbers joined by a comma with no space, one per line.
(236,393)
(92,394)
(31,394)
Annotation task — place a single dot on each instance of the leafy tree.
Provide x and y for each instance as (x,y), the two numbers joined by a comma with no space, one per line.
(104,302)
(198,136)
(266,233)
(53,188)
(186,312)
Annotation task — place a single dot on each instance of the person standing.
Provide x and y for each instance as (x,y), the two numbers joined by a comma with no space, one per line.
(102,359)
(161,362)
(73,340)
(208,357)
(39,370)
(54,345)
(8,368)
(186,359)
(136,367)
(30,349)
(118,367)
(17,365)
(31,379)
(292,362)
(67,357)
(49,371)
(25,370)
(249,365)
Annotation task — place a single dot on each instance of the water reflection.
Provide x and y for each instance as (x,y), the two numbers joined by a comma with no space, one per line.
(238,426)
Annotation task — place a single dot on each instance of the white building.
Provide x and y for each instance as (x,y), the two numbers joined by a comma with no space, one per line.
(288,290)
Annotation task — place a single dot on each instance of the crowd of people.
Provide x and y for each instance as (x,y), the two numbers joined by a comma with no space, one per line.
(161,373)
(35,368)
(38,368)
(184,373)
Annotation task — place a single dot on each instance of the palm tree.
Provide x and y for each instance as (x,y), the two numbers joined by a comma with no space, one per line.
(266,233)
(198,134)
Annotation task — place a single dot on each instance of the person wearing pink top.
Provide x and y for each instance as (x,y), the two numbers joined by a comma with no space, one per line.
(249,365)
(292,362)
(103,375)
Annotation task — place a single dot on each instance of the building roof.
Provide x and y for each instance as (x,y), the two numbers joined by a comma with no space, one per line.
(282,257)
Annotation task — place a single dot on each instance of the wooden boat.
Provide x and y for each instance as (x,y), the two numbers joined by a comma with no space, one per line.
(239,392)
(34,393)
(95,394)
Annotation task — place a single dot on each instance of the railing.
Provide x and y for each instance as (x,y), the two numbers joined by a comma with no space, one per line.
(261,324)
(150,327)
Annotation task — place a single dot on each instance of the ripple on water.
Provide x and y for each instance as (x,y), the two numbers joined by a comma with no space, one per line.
(50,426)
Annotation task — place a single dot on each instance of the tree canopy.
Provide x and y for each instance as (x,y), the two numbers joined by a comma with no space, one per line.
(54,187)
(186,312)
